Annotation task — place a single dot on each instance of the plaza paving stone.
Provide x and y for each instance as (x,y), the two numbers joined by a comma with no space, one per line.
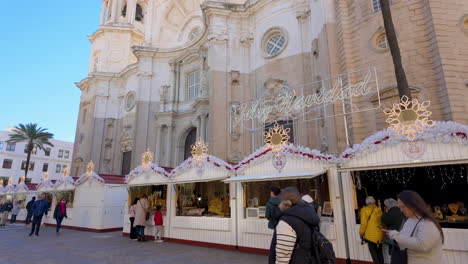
(77,247)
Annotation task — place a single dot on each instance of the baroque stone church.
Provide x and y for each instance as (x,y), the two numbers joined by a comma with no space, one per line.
(164,73)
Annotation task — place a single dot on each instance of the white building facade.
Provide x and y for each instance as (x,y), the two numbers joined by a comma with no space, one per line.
(53,159)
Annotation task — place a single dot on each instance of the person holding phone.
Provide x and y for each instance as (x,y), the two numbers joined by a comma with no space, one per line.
(421,236)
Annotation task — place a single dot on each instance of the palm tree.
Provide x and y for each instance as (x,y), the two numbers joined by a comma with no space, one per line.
(35,137)
(402,82)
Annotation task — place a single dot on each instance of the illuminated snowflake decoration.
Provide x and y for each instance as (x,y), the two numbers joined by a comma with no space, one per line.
(147,159)
(10,181)
(90,168)
(65,173)
(199,150)
(277,137)
(22,180)
(409,118)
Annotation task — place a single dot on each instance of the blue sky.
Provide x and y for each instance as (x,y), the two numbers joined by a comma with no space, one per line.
(44,50)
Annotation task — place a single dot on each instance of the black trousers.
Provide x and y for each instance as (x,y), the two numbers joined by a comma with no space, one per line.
(376,252)
(28,218)
(272,255)
(36,224)
(13,219)
(133,231)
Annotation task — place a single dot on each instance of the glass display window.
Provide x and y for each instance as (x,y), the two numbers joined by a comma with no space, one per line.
(257,194)
(203,199)
(68,195)
(157,195)
(442,187)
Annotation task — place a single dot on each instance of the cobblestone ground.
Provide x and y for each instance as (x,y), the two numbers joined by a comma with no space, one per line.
(76,247)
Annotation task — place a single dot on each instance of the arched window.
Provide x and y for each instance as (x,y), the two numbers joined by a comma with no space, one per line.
(139,13)
(194,34)
(189,141)
(382,41)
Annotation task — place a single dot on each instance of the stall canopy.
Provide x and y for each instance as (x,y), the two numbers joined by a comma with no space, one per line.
(65,184)
(89,177)
(207,168)
(446,142)
(147,174)
(260,165)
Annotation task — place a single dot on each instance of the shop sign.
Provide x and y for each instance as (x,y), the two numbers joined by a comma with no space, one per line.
(308,102)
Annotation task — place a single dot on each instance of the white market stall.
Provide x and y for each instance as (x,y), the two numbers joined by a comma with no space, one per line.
(309,170)
(99,202)
(435,165)
(153,181)
(201,203)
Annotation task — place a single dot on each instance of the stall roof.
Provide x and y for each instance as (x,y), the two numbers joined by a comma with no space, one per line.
(113,179)
(209,168)
(276,176)
(445,142)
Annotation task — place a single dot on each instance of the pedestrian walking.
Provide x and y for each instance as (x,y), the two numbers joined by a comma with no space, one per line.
(7,207)
(40,207)
(158,223)
(141,216)
(29,206)
(2,222)
(60,212)
(370,231)
(310,201)
(294,231)
(421,238)
(131,214)
(393,219)
(15,211)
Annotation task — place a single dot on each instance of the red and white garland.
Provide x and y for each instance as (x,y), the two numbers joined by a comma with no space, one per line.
(208,160)
(443,132)
(291,151)
(139,170)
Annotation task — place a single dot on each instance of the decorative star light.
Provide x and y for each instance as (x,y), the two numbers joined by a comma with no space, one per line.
(147,159)
(10,180)
(199,150)
(90,168)
(65,173)
(22,180)
(409,118)
(277,137)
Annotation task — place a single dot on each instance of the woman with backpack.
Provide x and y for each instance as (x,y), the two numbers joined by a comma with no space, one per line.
(421,238)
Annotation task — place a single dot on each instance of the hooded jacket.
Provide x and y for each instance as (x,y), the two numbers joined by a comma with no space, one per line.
(294,235)
(272,211)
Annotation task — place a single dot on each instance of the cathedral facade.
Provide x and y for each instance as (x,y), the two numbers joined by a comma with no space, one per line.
(164,73)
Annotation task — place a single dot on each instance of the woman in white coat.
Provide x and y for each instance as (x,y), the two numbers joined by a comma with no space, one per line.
(421,234)
(141,208)
(15,211)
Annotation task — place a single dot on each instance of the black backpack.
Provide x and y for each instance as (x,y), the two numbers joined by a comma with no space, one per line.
(323,249)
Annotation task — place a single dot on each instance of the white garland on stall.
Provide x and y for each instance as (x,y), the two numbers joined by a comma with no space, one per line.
(139,170)
(67,180)
(9,188)
(21,187)
(443,132)
(291,151)
(208,161)
(45,184)
(84,177)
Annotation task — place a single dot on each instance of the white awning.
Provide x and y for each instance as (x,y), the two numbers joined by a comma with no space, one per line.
(276,176)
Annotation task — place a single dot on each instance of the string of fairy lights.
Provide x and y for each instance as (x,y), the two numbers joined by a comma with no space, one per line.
(447,174)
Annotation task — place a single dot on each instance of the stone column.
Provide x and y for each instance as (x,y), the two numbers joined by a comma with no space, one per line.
(131,7)
(199,126)
(203,127)
(169,153)
(157,150)
(148,22)
(114,6)
(103,12)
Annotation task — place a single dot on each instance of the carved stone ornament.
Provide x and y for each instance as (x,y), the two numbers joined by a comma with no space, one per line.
(126,141)
(163,91)
(275,85)
(235,76)
(130,101)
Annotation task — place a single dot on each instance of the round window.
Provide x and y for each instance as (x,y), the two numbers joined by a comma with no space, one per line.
(130,101)
(274,42)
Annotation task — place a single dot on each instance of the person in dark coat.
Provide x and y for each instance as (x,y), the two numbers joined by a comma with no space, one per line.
(272,214)
(40,207)
(294,231)
(60,212)
(30,211)
(393,219)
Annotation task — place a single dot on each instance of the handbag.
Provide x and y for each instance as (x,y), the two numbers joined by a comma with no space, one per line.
(401,256)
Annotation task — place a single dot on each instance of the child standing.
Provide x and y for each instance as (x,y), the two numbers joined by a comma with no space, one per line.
(158,223)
